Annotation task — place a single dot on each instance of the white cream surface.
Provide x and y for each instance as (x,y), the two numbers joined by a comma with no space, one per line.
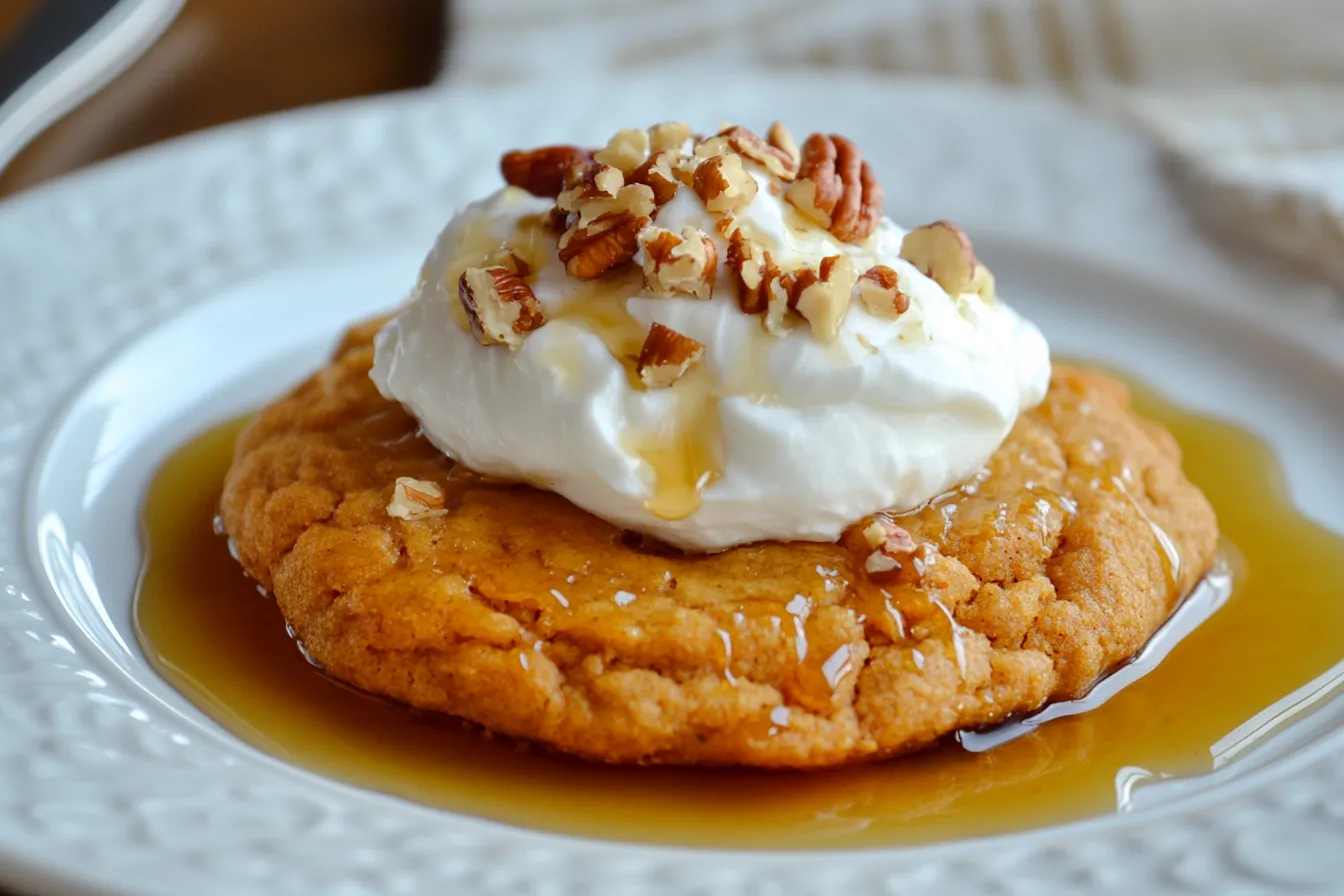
(768,437)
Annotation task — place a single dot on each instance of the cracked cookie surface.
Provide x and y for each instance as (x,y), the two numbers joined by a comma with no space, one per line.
(523,613)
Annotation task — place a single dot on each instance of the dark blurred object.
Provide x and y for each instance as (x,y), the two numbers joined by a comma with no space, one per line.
(222,60)
(64,52)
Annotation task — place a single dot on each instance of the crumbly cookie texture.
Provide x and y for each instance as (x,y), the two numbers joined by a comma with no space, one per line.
(521,612)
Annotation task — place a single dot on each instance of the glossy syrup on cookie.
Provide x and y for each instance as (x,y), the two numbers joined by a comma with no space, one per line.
(211,634)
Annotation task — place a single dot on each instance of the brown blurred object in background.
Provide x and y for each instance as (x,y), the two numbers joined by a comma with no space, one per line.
(222,60)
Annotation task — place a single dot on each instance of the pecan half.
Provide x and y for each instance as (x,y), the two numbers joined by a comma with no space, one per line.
(774,159)
(943,251)
(679,265)
(541,172)
(415,499)
(500,306)
(879,290)
(723,185)
(666,356)
(836,189)
(821,296)
(607,241)
(753,270)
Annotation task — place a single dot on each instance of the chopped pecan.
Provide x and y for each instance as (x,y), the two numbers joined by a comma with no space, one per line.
(505,256)
(879,290)
(607,241)
(415,499)
(890,544)
(711,146)
(836,189)
(626,150)
(773,159)
(659,173)
(821,296)
(777,311)
(542,172)
(723,185)
(679,265)
(754,271)
(781,138)
(500,306)
(602,190)
(666,356)
(669,135)
(943,251)
(595,185)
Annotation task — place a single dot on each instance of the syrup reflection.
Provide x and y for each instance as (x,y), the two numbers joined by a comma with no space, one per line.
(207,631)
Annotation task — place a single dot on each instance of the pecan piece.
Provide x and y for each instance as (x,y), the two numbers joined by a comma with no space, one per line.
(723,185)
(943,252)
(591,187)
(679,265)
(415,499)
(500,306)
(669,135)
(505,256)
(607,241)
(781,138)
(659,173)
(879,290)
(775,160)
(666,356)
(602,190)
(710,147)
(890,544)
(836,189)
(754,270)
(542,172)
(821,296)
(626,150)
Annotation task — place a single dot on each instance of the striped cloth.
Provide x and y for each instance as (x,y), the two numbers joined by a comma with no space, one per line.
(1247,95)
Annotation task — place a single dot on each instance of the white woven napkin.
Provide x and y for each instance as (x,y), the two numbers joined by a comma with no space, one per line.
(1265,164)
(1247,95)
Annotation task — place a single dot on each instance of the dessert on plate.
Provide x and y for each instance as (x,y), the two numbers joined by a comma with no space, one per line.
(683,452)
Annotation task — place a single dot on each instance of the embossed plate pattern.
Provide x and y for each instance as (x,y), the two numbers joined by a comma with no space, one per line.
(165,290)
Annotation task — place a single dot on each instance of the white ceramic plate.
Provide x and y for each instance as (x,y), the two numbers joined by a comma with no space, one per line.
(147,298)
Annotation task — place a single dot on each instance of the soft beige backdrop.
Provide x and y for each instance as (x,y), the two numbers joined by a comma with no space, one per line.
(1248,95)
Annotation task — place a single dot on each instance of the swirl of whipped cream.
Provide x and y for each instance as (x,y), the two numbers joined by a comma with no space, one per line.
(769,437)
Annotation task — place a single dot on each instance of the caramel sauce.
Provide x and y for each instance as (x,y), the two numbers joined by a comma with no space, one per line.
(684,451)
(209,632)
(599,306)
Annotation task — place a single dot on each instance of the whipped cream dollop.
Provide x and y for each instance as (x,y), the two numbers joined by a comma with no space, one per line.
(768,436)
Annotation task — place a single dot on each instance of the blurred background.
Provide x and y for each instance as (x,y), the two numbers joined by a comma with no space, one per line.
(1245,96)
(222,60)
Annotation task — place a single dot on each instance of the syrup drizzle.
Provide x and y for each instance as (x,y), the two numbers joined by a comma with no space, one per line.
(208,632)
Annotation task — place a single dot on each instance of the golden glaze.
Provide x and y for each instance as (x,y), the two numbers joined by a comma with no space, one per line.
(209,632)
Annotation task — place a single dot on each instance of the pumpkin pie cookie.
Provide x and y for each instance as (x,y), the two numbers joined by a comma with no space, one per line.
(411,577)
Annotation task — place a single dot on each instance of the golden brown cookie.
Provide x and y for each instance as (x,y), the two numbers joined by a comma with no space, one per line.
(519,611)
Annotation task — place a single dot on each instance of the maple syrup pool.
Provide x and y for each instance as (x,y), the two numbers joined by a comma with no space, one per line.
(206,629)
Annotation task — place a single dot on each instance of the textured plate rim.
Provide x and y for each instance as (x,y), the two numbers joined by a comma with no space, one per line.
(176,150)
